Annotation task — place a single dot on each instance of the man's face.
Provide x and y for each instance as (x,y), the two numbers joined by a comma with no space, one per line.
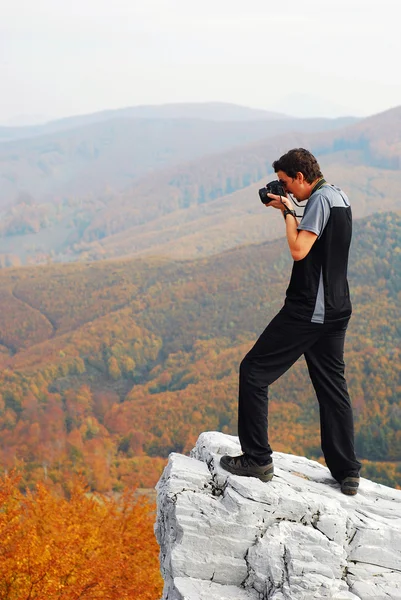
(298,186)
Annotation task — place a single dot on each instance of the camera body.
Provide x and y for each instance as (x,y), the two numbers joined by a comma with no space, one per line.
(273,187)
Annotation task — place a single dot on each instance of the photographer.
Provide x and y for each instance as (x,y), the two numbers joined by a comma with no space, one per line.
(312,322)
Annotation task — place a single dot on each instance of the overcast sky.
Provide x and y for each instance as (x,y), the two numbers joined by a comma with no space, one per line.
(68,57)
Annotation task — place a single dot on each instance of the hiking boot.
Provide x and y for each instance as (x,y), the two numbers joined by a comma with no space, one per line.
(247,466)
(350,485)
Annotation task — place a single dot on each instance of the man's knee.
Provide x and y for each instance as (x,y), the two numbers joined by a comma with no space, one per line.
(247,369)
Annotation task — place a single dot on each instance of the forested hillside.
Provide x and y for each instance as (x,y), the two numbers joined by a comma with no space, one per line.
(109,366)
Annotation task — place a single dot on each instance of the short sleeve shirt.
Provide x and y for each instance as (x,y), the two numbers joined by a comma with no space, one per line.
(318,209)
(318,289)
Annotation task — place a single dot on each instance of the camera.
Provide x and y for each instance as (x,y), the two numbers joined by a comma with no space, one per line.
(273,187)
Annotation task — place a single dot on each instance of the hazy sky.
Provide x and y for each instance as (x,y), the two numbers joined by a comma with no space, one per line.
(67,57)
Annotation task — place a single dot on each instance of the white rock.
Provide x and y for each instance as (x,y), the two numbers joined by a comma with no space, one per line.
(207,590)
(295,538)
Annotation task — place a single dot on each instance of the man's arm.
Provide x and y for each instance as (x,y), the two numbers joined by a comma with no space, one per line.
(299,242)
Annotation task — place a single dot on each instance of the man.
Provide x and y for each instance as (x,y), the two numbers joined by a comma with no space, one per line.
(312,322)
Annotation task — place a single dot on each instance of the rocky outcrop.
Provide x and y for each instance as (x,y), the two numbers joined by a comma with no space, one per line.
(224,537)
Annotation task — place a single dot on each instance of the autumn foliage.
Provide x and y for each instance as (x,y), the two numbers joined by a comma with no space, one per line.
(80,547)
(106,368)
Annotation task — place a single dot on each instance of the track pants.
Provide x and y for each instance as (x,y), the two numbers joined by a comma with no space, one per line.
(284,340)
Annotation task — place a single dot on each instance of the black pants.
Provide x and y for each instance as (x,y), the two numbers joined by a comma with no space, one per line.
(284,340)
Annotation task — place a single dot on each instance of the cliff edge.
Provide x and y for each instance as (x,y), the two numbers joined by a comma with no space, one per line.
(224,537)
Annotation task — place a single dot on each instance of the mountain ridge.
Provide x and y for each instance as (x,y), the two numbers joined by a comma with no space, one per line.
(206,110)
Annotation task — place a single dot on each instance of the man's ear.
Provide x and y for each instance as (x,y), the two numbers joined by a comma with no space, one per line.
(300,177)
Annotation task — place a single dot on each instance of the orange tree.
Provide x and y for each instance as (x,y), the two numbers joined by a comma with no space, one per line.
(80,547)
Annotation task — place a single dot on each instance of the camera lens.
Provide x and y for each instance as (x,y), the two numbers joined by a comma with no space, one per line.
(263,195)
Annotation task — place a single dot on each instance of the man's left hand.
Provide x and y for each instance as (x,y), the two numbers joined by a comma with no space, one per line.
(280,202)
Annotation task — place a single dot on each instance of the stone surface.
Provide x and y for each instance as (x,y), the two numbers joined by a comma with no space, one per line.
(224,537)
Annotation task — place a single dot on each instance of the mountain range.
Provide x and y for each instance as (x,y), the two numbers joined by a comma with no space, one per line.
(207,111)
(56,179)
(113,184)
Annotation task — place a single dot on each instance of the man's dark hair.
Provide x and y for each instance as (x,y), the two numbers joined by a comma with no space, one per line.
(298,160)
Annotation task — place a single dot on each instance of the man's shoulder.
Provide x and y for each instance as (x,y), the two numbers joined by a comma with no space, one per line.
(332,195)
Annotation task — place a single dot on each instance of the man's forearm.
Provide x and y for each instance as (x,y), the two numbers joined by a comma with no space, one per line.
(291,228)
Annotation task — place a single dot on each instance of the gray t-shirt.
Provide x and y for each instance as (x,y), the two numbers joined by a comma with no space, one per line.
(318,289)
(317,210)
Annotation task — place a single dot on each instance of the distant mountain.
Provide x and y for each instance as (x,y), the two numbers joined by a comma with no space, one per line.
(209,111)
(212,204)
(113,151)
(181,188)
(93,157)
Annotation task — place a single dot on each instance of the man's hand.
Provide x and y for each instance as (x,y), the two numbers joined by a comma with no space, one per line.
(280,202)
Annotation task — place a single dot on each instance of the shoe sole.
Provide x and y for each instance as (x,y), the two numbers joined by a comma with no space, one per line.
(350,492)
(350,486)
(265,475)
